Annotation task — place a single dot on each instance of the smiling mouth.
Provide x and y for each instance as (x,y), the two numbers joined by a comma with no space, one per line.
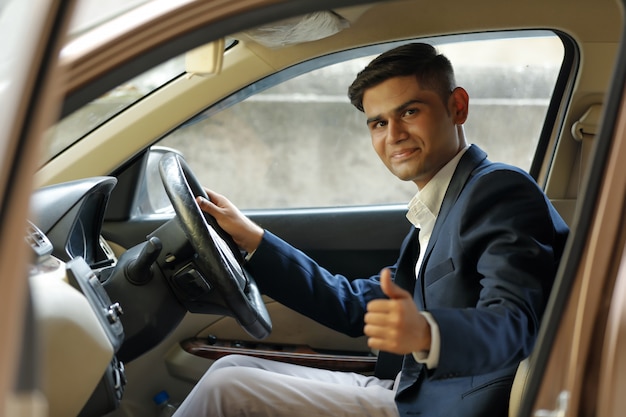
(403,154)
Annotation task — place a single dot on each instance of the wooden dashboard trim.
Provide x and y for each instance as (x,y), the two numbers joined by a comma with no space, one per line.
(295,354)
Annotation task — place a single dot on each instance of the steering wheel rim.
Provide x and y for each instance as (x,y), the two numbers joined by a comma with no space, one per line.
(218,258)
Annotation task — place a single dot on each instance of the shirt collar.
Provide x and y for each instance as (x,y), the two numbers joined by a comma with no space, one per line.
(427,201)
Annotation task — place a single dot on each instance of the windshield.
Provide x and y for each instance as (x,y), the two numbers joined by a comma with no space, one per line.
(89,15)
(84,120)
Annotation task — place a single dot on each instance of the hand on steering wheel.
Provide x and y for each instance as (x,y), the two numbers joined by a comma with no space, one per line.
(219,259)
(246,234)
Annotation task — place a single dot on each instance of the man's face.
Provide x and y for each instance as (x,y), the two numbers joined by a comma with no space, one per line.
(413,131)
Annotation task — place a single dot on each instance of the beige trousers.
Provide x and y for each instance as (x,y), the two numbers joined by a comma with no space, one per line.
(245,386)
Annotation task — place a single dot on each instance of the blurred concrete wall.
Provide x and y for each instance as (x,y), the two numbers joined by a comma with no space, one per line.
(304,145)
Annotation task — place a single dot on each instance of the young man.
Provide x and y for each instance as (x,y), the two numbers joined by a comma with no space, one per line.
(462,305)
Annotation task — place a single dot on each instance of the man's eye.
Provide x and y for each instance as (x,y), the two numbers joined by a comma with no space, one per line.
(410,112)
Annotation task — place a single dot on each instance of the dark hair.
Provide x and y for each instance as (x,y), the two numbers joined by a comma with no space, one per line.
(433,71)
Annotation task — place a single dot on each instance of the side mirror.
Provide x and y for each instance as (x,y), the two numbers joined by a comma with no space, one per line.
(151,198)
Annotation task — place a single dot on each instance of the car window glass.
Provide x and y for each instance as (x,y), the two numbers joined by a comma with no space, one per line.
(80,123)
(301,144)
(76,125)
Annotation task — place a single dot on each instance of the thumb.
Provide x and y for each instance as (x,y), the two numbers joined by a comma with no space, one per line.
(390,289)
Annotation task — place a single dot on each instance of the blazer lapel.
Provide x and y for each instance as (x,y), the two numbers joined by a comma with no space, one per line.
(473,157)
(405,273)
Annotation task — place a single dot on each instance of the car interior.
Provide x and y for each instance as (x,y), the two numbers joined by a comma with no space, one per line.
(135,291)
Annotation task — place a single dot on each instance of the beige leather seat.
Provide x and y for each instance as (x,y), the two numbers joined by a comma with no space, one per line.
(519,386)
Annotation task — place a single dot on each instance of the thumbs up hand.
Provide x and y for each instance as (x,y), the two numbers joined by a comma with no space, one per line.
(395,325)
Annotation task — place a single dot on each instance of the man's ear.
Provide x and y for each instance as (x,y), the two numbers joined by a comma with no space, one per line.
(459,105)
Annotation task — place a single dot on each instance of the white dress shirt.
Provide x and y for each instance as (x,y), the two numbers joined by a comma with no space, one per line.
(422,213)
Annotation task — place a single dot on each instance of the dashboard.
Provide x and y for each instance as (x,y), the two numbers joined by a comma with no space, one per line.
(71,216)
(79,326)
(94,310)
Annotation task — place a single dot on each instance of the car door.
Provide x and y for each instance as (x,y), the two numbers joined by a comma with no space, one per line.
(578,368)
(32,34)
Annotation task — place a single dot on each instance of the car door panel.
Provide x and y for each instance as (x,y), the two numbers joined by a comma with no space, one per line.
(355,242)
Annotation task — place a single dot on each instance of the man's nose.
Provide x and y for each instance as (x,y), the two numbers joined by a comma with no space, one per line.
(396,131)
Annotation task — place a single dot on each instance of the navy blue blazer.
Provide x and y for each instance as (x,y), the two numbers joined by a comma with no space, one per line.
(486,277)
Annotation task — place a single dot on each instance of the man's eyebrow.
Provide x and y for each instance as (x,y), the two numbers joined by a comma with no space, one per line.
(372,119)
(398,109)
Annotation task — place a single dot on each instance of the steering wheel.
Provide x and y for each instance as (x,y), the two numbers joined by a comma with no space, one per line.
(219,259)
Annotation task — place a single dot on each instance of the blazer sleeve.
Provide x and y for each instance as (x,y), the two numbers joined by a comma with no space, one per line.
(297,281)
